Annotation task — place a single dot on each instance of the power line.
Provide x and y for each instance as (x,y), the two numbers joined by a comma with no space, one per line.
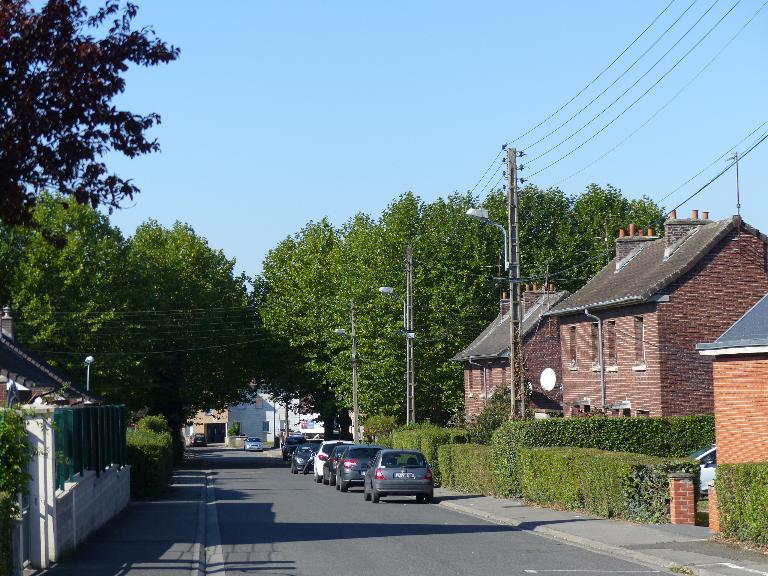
(651,87)
(500,152)
(667,103)
(612,84)
(604,70)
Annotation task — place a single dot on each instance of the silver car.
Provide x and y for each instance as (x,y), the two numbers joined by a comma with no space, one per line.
(398,473)
(253,443)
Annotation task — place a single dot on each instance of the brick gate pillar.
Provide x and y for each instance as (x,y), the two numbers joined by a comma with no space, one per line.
(714,513)
(682,504)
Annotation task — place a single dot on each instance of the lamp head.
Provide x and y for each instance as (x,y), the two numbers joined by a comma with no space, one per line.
(388,290)
(340,331)
(90,360)
(479,213)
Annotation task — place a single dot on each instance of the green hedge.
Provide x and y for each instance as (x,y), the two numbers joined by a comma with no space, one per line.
(609,484)
(464,467)
(675,436)
(427,438)
(150,455)
(742,499)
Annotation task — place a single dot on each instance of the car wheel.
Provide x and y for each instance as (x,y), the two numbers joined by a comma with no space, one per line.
(318,479)
(331,479)
(428,498)
(294,470)
(343,486)
(336,484)
(325,478)
(375,497)
(366,494)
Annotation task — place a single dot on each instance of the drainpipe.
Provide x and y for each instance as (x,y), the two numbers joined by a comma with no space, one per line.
(600,355)
(485,379)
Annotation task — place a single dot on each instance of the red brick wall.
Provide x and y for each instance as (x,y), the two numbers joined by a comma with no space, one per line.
(703,303)
(626,380)
(741,408)
(496,378)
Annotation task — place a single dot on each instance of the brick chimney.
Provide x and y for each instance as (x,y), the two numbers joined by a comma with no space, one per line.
(533,293)
(675,229)
(6,324)
(625,243)
(504,304)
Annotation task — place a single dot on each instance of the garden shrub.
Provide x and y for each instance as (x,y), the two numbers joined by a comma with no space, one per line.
(742,499)
(157,424)
(150,454)
(674,436)
(464,467)
(379,426)
(505,469)
(427,438)
(609,484)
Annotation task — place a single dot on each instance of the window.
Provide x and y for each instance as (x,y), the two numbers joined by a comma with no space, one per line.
(639,341)
(265,426)
(610,328)
(594,332)
(572,345)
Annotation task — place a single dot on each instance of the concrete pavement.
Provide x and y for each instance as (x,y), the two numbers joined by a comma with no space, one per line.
(664,546)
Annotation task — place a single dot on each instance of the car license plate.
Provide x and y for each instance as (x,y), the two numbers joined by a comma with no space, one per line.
(405,475)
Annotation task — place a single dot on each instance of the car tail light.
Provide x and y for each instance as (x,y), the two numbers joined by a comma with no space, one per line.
(349,462)
(322,456)
(428,475)
(378,475)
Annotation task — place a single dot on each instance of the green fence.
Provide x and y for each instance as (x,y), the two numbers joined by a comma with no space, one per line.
(88,438)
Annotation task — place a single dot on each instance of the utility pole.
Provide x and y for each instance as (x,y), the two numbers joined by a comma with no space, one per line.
(735,158)
(515,347)
(355,411)
(409,335)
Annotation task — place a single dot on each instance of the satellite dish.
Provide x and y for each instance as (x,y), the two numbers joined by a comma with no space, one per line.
(548,379)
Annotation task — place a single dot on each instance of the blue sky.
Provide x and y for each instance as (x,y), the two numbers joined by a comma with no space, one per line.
(278,113)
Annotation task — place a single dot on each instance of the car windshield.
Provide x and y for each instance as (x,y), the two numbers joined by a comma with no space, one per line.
(295,440)
(303,449)
(362,452)
(253,440)
(403,460)
(339,450)
(699,453)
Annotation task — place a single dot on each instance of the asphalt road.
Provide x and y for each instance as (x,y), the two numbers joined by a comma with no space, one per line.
(268,521)
(237,513)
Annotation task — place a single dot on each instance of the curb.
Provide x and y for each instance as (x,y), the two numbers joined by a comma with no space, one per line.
(199,547)
(581,542)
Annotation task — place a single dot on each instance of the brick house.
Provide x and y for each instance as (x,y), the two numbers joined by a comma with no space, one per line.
(486,359)
(654,302)
(34,380)
(740,373)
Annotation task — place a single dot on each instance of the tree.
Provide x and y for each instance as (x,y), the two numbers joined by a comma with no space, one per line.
(57,120)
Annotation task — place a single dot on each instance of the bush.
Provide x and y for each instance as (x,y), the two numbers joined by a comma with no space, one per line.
(426,439)
(150,454)
(157,424)
(494,414)
(464,467)
(742,499)
(377,426)
(609,484)
(668,437)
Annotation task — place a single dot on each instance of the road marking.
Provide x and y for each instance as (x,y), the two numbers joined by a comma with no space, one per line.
(734,567)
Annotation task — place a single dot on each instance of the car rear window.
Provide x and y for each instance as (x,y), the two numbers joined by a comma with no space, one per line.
(329,448)
(295,440)
(253,440)
(403,460)
(363,452)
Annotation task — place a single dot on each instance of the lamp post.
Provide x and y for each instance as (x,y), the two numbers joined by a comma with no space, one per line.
(88,361)
(353,336)
(410,392)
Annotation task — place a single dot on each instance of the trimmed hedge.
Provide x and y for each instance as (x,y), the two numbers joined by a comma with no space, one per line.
(609,484)
(675,436)
(742,499)
(464,467)
(150,455)
(426,439)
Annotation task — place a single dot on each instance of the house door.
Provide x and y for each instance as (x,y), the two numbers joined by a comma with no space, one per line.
(215,432)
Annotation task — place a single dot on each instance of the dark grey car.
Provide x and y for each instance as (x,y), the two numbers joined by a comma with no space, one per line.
(398,473)
(350,471)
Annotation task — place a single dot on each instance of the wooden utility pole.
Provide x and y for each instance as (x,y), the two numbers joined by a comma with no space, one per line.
(409,335)
(515,316)
(355,411)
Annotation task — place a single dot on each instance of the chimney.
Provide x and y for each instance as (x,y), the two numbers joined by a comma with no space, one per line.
(6,324)
(625,244)
(530,297)
(504,304)
(675,229)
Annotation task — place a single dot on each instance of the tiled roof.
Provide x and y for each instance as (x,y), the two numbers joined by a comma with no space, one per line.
(22,366)
(649,268)
(493,342)
(749,330)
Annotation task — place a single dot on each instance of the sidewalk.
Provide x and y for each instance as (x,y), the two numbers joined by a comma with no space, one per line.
(687,549)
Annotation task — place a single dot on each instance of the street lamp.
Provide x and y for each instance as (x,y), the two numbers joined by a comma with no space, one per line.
(482,215)
(355,409)
(88,361)
(410,391)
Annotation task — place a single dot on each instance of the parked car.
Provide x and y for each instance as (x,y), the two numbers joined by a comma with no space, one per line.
(322,455)
(707,459)
(198,440)
(253,443)
(300,456)
(350,471)
(290,445)
(329,466)
(398,473)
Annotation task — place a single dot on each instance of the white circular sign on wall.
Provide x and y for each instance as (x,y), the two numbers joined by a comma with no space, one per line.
(548,379)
